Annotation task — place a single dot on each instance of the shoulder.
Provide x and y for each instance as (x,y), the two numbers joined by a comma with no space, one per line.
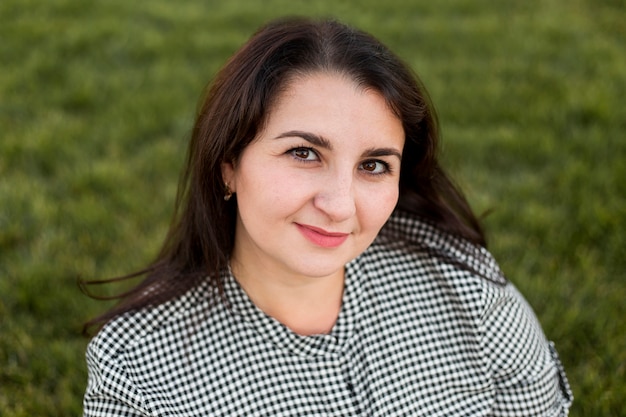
(463,283)
(412,256)
(124,355)
(129,329)
(417,235)
(453,270)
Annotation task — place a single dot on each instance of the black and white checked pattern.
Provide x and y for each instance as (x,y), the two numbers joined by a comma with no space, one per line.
(428,327)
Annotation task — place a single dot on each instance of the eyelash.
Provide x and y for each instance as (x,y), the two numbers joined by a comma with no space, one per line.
(386,167)
(386,171)
(293,151)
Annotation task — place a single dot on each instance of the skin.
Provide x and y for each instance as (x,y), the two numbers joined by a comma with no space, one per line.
(313,190)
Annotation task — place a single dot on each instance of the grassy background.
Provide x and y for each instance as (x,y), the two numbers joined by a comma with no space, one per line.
(97,99)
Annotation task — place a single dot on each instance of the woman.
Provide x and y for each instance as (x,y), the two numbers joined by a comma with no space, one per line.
(321,262)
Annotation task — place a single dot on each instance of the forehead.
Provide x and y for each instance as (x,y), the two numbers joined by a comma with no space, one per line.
(333,102)
(329,94)
(320,80)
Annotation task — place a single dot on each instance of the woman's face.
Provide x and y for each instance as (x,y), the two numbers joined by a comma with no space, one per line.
(318,183)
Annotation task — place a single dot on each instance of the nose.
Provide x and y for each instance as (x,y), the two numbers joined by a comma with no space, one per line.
(336,197)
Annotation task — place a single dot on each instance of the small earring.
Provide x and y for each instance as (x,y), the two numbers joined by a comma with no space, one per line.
(228,193)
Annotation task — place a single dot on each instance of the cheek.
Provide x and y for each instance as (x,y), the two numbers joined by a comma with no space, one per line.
(268,189)
(377,206)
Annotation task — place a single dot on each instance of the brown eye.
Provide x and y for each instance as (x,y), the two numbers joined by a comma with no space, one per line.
(302,153)
(369,166)
(375,167)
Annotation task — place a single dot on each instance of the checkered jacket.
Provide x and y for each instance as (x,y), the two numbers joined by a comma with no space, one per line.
(428,327)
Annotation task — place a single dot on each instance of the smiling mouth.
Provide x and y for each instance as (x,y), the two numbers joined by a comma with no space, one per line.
(321,237)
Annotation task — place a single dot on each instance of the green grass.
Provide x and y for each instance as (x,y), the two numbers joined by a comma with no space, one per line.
(96,103)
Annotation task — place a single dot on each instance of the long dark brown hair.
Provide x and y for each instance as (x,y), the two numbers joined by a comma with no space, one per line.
(200,239)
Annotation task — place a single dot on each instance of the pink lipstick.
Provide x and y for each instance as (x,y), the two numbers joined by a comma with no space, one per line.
(321,237)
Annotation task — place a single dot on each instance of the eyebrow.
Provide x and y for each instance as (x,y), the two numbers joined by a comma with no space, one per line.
(309,137)
(325,143)
(374,152)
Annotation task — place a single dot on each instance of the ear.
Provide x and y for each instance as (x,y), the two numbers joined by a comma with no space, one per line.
(228,175)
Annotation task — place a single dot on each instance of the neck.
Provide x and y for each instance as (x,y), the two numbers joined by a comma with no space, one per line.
(306,305)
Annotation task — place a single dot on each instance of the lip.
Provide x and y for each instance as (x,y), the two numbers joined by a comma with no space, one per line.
(321,237)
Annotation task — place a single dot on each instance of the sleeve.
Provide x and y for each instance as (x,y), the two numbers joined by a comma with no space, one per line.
(110,392)
(527,373)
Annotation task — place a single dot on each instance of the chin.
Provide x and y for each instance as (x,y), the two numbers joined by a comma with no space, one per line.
(315,270)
